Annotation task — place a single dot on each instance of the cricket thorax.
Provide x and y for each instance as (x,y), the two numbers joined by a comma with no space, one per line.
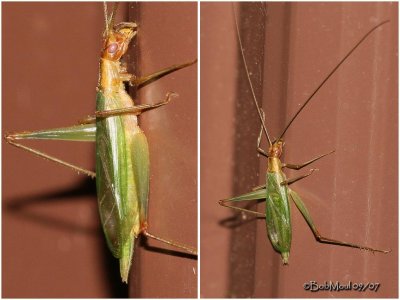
(274,154)
(110,75)
(274,165)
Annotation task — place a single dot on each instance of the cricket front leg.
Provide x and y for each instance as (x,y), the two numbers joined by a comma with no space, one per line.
(299,166)
(145,80)
(293,180)
(321,239)
(259,187)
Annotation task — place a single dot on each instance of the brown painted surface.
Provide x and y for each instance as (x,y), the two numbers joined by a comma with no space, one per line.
(168,36)
(53,245)
(217,82)
(354,195)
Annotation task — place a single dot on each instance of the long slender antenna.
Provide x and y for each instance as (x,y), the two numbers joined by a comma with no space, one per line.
(113,13)
(105,15)
(248,77)
(330,74)
(109,20)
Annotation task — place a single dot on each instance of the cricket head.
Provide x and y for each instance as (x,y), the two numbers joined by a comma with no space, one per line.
(276,149)
(117,39)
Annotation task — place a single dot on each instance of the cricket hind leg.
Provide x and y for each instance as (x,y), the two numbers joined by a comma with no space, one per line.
(321,239)
(171,243)
(253,195)
(73,133)
(299,166)
(145,80)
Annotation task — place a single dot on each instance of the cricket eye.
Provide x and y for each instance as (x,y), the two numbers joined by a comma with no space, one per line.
(112,48)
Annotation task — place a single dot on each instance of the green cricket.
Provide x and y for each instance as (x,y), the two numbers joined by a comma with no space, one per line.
(276,191)
(122,154)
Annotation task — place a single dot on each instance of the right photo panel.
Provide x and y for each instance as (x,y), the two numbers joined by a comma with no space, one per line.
(299,150)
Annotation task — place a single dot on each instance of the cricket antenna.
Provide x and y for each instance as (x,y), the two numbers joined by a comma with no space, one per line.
(109,20)
(330,74)
(248,77)
(113,13)
(105,15)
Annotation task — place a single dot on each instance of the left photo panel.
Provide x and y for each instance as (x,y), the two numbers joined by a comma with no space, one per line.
(99,119)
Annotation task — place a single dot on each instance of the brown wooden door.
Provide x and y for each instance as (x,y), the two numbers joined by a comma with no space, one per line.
(53,245)
(290,47)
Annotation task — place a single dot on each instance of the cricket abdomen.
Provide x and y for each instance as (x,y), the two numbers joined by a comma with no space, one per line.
(122,176)
(278,210)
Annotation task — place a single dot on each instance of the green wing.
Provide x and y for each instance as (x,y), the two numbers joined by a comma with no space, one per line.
(116,189)
(122,180)
(110,192)
(277,211)
(141,171)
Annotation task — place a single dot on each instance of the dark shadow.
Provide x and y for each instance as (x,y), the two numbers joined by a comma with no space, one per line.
(84,187)
(251,19)
(111,274)
(259,51)
(19,206)
(237,220)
